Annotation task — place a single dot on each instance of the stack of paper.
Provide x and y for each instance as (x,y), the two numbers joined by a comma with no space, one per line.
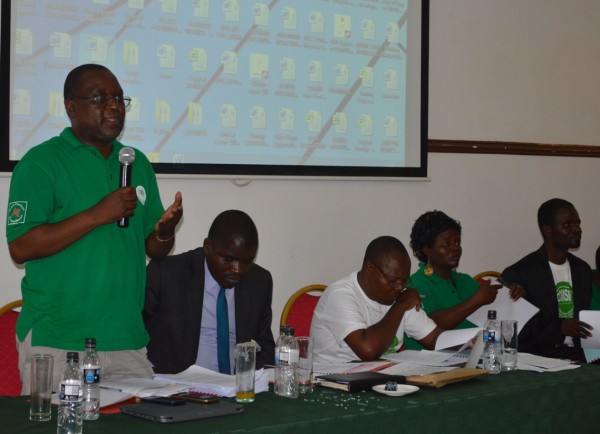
(107,397)
(426,358)
(531,362)
(349,367)
(446,358)
(143,386)
(203,380)
(411,369)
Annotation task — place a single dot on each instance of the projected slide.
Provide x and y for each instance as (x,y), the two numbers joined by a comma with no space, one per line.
(288,82)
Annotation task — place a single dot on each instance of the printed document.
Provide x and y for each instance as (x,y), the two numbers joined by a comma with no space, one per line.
(520,310)
(204,380)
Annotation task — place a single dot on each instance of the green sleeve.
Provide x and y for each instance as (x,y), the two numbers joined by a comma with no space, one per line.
(31,198)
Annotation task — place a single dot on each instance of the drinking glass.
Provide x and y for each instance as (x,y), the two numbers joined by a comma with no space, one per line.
(305,364)
(41,387)
(510,333)
(245,363)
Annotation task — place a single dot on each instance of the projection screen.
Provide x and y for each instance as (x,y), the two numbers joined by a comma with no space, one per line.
(232,87)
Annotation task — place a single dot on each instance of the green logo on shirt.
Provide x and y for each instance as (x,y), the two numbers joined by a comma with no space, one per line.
(564,295)
(392,347)
(17,212)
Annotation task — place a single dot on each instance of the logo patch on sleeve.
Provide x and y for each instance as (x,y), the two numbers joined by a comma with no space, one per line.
(141,194)
(17,212)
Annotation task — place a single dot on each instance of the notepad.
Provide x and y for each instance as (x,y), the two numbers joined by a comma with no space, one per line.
(358,381)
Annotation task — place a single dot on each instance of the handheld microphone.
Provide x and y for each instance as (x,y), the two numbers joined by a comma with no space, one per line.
(126,158)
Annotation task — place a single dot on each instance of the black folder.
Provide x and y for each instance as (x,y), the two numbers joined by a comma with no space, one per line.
(358,381)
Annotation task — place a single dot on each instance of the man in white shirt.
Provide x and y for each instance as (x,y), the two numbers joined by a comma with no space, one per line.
(366,314)
(556,282)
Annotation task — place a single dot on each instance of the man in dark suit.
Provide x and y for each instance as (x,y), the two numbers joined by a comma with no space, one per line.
(183,293)
(556,282)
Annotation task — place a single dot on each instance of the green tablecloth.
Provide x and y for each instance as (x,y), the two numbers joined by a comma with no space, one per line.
(521,401)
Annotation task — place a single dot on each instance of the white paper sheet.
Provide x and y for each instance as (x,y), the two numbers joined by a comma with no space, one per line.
(592,355)
(520,310)
(476,351)
(454,338)
(592,317)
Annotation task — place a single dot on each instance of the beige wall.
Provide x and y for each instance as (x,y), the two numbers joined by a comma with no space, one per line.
(515,70)
(490,80)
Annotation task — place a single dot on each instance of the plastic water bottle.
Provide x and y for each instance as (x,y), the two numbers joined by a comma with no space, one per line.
(69,410)
(286,363)
(91,381)
(492,347)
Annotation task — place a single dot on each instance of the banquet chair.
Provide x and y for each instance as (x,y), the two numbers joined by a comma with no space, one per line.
(486,275)
(10,380)
(298,311)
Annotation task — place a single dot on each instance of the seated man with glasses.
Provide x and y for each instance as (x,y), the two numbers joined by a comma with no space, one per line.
(85,275)
(365,315)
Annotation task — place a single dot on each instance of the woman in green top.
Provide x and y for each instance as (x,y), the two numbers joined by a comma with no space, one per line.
(449,297)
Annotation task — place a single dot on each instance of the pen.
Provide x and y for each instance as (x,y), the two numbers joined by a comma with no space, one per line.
(501,281)
(421,296)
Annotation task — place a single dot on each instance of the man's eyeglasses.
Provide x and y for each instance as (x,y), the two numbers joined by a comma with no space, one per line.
(103,100)
(394,284)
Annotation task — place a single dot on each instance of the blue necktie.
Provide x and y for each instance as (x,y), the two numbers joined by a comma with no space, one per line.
(223,333)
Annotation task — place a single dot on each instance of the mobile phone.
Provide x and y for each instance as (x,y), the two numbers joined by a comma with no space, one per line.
(196,397)
(162,400)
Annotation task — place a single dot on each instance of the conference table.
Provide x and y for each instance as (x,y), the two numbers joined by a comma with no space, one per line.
(510,402)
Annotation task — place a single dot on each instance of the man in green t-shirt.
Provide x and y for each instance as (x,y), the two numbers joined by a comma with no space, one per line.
(84,274)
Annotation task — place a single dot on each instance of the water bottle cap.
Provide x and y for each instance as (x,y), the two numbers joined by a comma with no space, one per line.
(286,329)
(72,356)
(491,314)
(90,342)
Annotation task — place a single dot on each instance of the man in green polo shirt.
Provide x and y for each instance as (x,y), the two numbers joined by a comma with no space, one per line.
(84,274)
